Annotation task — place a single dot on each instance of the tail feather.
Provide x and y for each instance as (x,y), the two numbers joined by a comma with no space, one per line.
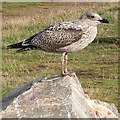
(17,45)
(24,45)
(22,48)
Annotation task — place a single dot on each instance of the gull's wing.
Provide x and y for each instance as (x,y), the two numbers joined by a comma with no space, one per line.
(56,36)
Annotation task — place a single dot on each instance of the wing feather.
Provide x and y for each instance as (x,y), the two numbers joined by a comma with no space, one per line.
(57,36)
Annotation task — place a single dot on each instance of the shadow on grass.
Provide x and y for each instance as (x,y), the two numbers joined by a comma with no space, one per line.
(112,40)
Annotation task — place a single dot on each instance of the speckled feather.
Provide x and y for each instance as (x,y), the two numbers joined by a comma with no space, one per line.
(56,36)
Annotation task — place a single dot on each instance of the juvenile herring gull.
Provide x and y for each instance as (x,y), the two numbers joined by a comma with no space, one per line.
(64,37)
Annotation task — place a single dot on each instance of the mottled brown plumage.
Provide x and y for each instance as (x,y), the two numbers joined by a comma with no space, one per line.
(64,37)
(53,40)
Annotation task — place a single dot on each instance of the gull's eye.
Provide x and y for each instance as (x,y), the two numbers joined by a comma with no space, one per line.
(92,16)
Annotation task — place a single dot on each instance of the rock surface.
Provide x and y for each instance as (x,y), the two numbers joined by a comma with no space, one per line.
(57,97)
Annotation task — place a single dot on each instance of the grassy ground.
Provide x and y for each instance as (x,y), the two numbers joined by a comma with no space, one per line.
(96,66)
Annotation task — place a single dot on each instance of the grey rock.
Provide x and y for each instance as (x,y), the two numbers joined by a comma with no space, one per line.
(7,99)
(56,97)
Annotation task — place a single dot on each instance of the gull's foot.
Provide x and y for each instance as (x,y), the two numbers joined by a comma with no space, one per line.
(71,74)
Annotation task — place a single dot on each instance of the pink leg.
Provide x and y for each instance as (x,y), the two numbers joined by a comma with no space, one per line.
(65,63)
(62,63)
(64,66)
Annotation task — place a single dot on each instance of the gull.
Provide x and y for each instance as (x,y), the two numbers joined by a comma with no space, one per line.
(64,37)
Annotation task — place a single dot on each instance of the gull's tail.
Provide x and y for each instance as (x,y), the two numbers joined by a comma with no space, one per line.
(22,48)
(24,45)
(17,45)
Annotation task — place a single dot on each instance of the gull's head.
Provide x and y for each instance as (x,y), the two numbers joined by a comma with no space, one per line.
(93,18)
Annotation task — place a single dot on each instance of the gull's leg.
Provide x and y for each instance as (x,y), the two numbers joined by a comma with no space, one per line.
(62,63)
(64,66)
(65,63)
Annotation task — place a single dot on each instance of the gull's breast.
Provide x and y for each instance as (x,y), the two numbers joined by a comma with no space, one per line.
(88,36)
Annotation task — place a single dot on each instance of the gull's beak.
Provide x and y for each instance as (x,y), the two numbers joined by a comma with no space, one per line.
(104,21)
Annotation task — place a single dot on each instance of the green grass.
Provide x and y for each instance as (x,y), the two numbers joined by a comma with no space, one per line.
(12,5)
(96,65)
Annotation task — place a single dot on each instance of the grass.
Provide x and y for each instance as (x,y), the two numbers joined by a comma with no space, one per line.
(13,5)
(96,66)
